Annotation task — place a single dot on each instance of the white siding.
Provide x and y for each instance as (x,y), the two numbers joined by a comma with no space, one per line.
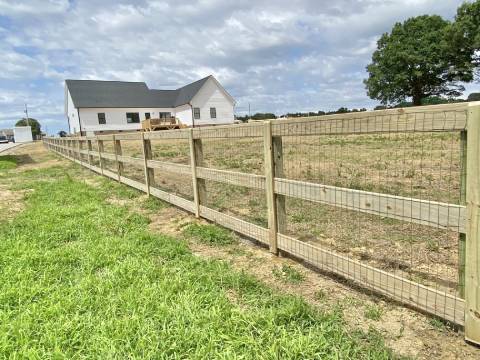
(184,114)
(22,134)
(210,95)
(72,115)
(115,118)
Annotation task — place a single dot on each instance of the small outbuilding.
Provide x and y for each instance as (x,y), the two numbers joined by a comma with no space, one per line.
(22,134)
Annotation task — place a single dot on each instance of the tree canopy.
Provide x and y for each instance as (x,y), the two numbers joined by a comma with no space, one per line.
(474,97)
(416,60)
(36,127)
(466,30)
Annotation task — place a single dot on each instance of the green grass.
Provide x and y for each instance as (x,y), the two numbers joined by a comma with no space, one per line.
(8,162)
(209,234)
(82,278)
(153,204)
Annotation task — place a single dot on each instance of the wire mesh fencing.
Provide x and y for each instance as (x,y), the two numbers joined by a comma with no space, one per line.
(378,197)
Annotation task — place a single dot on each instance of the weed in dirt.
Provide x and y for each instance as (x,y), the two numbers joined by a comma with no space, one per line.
(8,162)
(209,234)
(373,312)
(320,295)
(440,325)
(432,245)
(238,251)
(259,220)
(288,274)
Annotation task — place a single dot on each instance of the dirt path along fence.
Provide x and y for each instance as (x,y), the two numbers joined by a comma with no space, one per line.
(386,199)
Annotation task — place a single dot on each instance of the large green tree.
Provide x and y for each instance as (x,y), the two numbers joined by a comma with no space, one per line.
(465,32)
(415,60)
(36,127)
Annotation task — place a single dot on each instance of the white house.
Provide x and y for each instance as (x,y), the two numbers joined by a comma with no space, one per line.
(94,106)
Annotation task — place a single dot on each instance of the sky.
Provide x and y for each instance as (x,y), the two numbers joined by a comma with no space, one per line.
(278,56)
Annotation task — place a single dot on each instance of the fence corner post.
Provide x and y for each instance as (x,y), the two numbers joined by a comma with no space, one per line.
(472,246)
(269,187)
(147,155)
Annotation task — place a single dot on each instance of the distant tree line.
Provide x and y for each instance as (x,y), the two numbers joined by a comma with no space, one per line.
(266,116)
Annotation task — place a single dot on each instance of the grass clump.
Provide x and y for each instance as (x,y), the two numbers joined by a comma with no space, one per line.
(288,274)
(8,162)
(373,312)
(153,204)
(118,190)
(209,234)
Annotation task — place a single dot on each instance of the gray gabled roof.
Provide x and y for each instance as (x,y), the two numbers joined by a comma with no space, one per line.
(114,94)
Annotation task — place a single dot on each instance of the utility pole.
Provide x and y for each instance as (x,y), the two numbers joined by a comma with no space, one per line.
(249,115)
(26,113)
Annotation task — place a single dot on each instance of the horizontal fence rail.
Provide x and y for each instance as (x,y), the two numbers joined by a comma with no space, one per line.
(353,176)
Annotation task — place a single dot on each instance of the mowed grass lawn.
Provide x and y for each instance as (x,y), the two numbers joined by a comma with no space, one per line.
(83,278)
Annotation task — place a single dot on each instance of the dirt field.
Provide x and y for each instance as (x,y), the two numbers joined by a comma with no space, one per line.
(407,332)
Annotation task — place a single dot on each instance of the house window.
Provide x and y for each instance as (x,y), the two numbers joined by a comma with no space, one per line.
(101,118)
(196,113)
(147,116)
(164,115)
(213,113)
(133,118)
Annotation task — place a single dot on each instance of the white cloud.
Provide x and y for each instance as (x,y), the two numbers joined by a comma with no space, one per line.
(287,55)
(33,7)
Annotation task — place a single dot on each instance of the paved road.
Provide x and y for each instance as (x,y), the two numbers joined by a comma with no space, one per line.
(4,147)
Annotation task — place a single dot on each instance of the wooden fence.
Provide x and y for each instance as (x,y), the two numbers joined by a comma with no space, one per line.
(462,307)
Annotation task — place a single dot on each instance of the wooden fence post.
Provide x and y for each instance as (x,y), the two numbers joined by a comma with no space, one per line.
(100,158)
(70,149)
(269,187)
(198,185)
(472,246)
(193,165)
(277,148)
(462,236)
(80,148)
(117,146)
(89,148)
(147,155)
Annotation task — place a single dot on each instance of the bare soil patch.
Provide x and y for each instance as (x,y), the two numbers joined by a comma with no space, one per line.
(34,156)
(11,202)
